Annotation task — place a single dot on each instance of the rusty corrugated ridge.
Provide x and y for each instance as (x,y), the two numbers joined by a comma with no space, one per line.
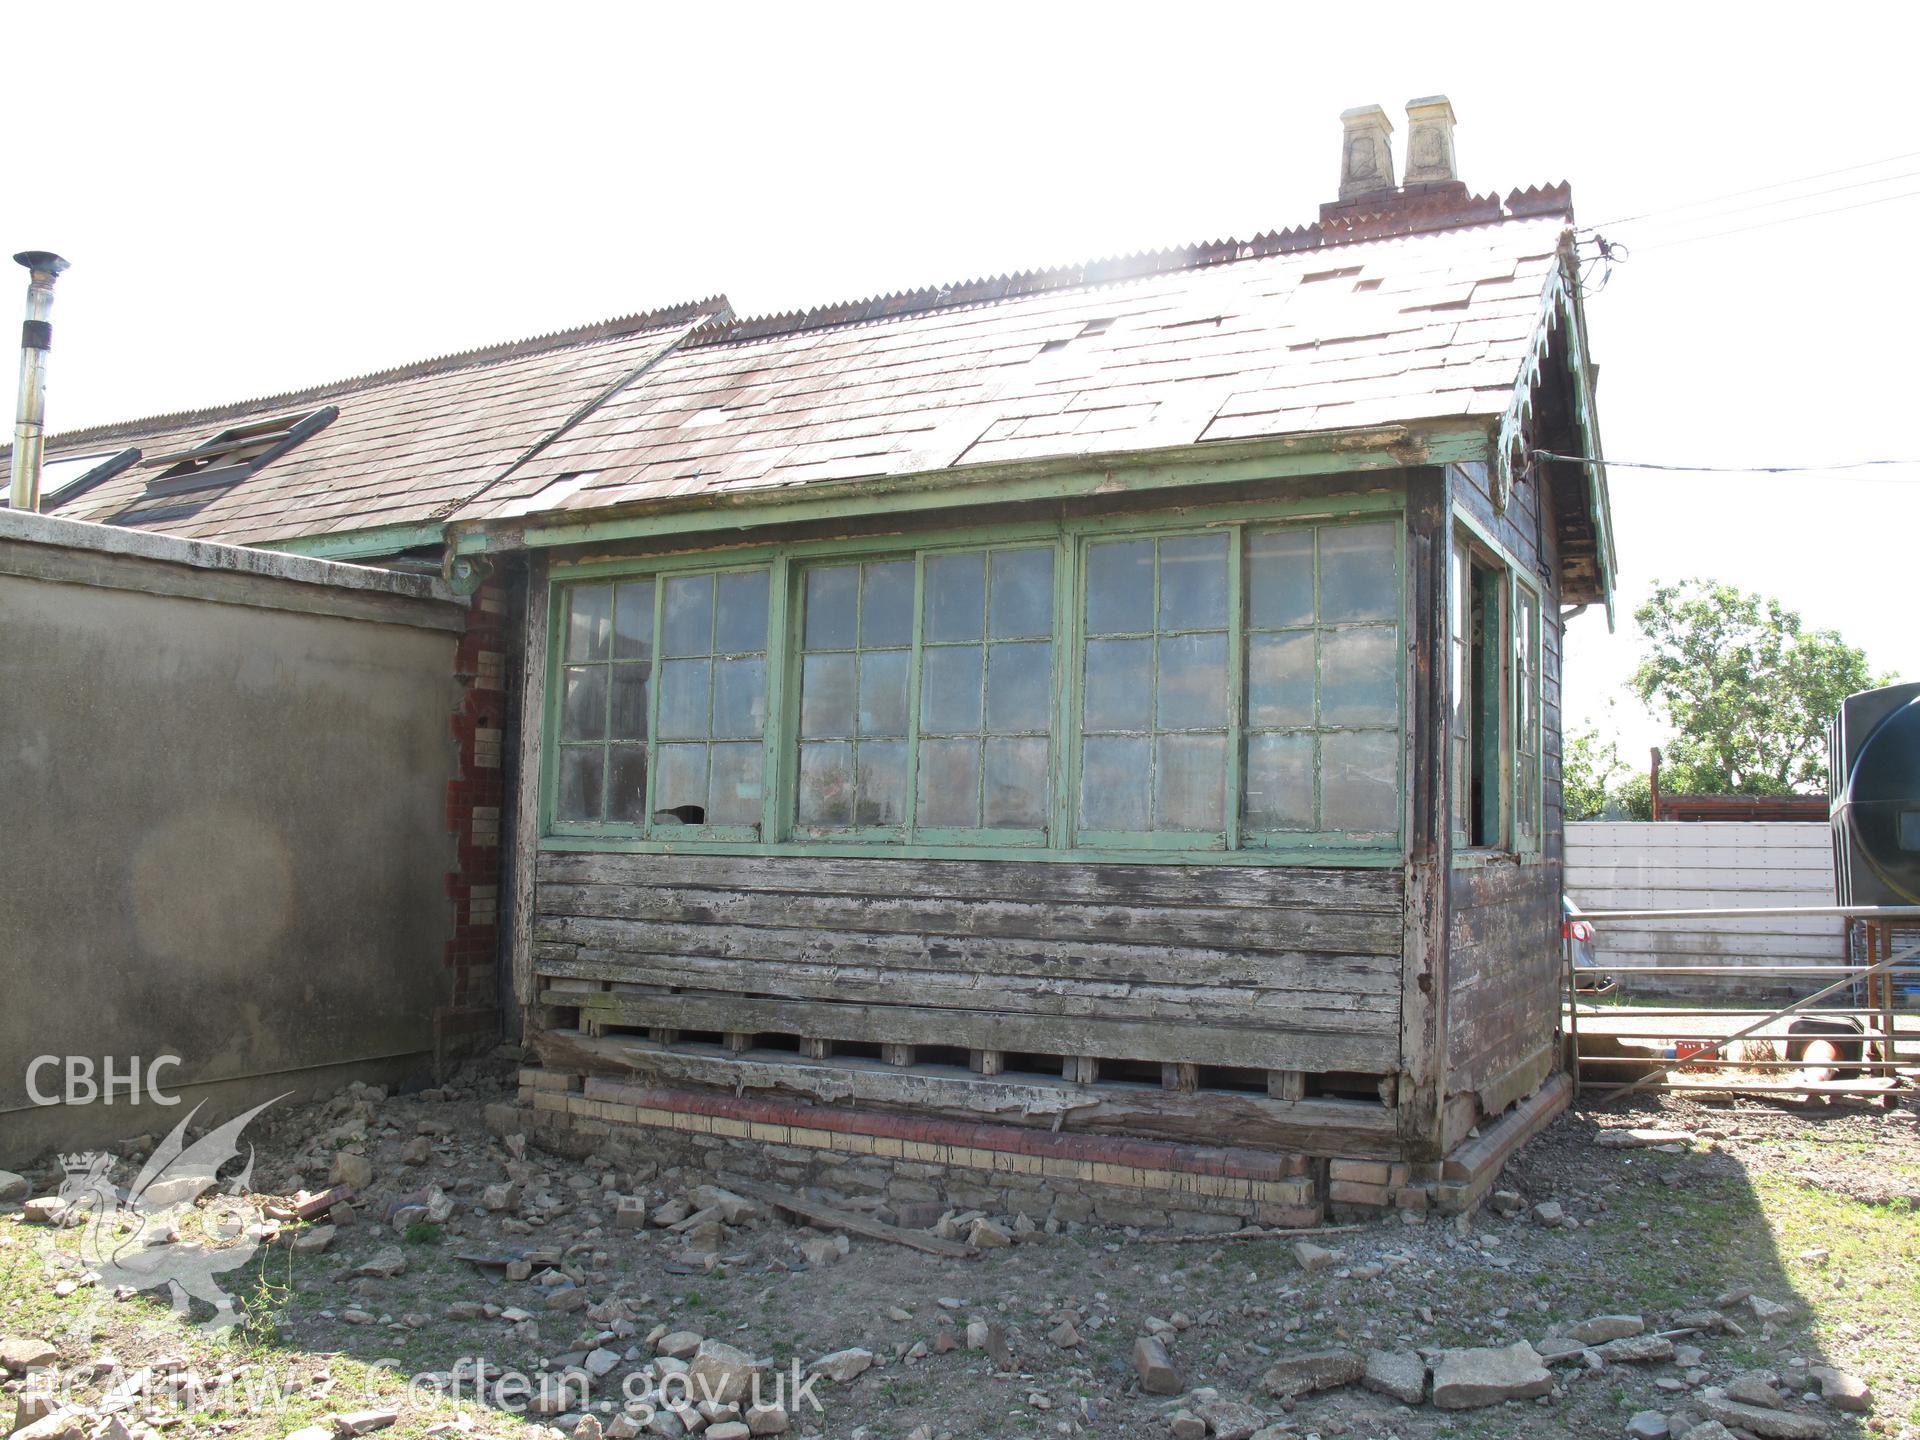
(1398,215)
(621,325)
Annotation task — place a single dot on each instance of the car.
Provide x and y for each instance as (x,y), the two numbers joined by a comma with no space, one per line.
(1577,933)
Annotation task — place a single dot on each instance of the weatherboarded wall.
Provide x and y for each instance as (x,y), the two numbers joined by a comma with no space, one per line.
(224,822)
(1695,866)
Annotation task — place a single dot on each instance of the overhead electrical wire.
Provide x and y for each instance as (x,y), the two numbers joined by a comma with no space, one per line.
(1758,189)
(1777,220)
(1727,469)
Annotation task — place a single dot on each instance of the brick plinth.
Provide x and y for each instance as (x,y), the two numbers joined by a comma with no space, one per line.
(922,1164)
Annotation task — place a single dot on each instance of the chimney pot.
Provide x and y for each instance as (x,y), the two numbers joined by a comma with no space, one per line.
(1366,152)
(1430,142)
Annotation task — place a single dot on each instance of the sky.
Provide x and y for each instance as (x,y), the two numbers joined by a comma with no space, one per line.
(256,198)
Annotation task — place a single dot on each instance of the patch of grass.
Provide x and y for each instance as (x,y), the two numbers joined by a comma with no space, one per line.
(422,1233)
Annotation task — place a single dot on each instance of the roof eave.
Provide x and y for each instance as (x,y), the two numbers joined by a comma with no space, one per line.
(1057,477)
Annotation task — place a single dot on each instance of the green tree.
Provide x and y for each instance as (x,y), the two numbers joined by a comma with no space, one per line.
(1747,688)
(1588,765)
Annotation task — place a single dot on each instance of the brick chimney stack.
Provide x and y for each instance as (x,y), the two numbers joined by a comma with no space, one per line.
(1366,153)
(1430,142)
(1432,189)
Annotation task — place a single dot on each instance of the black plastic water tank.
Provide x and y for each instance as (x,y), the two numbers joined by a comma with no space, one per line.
(1876,805)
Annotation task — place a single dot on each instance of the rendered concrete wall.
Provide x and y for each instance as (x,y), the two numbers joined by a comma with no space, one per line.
(223,781)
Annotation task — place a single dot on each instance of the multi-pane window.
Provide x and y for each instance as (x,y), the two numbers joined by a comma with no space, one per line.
(856,654)
(986,691)
(605,687)
(1323,665)
(663,702)
(1237,685)
(967,747)
(1526,719)
(1154,703)
(712,705)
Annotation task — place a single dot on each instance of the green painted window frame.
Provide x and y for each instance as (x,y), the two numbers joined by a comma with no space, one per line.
(1518,690)
(1529,794)
(917,736)
(1061,840)
(656,658)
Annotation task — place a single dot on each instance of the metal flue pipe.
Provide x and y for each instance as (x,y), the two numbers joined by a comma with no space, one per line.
(30,414)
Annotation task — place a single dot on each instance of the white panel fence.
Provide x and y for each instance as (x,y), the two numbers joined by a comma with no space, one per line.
(1698,865)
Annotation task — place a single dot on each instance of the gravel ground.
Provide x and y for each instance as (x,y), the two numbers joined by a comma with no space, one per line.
(1814,1210)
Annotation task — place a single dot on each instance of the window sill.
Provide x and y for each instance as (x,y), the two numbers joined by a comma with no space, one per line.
(1330,856)
(1486,856)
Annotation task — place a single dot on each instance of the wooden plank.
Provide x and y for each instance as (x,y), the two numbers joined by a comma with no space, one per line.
(1308,1127)
(828,1218)
(1334,1011)
(1287,1084)
(1297,1048)
(1357,979)
(526,797)
(1235,887)
(1252,929)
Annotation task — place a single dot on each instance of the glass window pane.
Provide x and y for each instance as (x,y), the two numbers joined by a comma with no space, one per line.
(1359,781)
(683,698)
(1190,782)
(1193,681)
(1193,582)
(1358,675)
(589,632)
(627,784)
(630,701)
(581,770)
(956,597)
(1279,782)
(633,621)
(1114,771)
(733,793)
(680,785)
(949,784)
(881,793)
(886,603)
(1016,788)
(1280,578)
(1356,573)
(686,619)
(739,697)
(826,695)
(1022,603)
(1280,679)
(832,593)
(883,692)
(1019,686)
(740,613)
(583,711)
(950,690)
(1120,587)
(826,784)
(1119,689)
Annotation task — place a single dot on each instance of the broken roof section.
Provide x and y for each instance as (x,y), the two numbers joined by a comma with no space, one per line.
(405,448)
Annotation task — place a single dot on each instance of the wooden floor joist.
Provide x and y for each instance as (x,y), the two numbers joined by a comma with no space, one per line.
(1330,1127)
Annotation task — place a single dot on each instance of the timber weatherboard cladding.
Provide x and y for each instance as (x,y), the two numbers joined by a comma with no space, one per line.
(1285,967)
(1503,955)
